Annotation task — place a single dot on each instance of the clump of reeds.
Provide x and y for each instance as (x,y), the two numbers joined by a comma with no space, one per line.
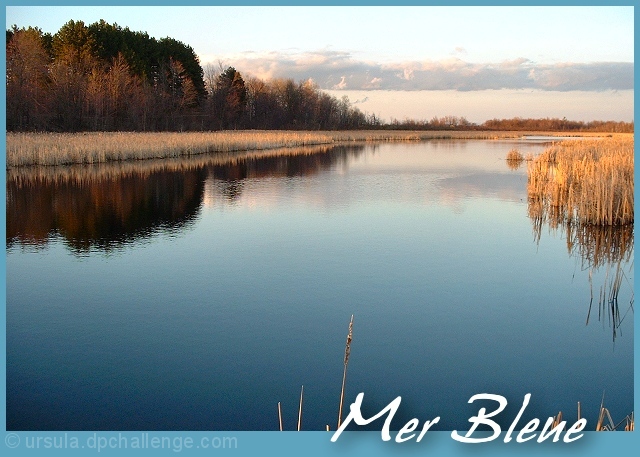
(585,181)
(601,425)
(611,426)
(514,159)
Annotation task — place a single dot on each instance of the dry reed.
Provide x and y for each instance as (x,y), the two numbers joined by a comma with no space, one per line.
(586,189)
(24,149)
(62,149)
(611,426)
(347,352)
(586,182)
(79,173)
(605,421)
(514,159)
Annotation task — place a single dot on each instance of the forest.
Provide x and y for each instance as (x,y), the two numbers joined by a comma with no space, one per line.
(103,77)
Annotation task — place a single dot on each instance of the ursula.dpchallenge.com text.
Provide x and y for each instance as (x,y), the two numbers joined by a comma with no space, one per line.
(106,441)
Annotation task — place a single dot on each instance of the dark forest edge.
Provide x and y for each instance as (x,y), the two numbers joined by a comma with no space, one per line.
(102,77)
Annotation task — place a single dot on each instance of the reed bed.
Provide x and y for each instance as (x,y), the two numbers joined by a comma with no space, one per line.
(47,149)
(87,148)
(586,182)
(79,173)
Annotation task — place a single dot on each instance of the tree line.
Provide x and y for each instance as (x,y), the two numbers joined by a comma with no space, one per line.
(102,77)
(514,124)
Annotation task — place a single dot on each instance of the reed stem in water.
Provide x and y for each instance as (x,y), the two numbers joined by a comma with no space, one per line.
(347,352)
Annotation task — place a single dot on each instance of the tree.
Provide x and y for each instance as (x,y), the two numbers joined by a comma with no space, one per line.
(74,62)
(230,98)
(27,96)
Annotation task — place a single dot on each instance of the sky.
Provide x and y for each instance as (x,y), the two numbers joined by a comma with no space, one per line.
(475,62)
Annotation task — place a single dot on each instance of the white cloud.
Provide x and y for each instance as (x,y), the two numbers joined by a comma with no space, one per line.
(375,83)
(340,70)
(341,85)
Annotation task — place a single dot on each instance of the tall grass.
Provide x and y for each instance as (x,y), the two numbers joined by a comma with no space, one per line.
(65,148)
(79,173)
(47,149)
(586,182)
(586,189)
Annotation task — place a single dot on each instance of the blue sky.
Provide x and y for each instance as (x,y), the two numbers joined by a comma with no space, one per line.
(419,62)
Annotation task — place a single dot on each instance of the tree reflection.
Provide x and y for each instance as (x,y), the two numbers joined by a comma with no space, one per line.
(109,206)
(101,212)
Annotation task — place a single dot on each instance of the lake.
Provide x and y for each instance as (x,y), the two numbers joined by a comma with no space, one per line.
(196,294)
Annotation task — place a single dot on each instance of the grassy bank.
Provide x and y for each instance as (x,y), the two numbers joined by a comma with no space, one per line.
(24,149)
(586,182)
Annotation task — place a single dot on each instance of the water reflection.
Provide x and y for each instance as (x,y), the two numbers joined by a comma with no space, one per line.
(608,248)
(431,248)
(94,211)
(108,206)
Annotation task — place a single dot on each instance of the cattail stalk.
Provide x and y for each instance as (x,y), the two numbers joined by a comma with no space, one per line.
(347,352)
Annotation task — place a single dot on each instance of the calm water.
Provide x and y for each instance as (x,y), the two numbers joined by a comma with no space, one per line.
(197,295)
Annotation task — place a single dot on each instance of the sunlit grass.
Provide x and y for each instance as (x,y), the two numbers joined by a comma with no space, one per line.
(585,182)
(66,148)
(514,159)
(25,149)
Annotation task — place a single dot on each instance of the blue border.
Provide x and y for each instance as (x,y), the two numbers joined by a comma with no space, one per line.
(304,443)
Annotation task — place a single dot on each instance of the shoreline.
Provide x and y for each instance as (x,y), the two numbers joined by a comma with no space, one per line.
(54,149)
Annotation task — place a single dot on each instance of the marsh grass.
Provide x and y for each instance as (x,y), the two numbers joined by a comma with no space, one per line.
(514,159)
(585,182)
(79,173)
(87,148)
(49,149)
(585,188)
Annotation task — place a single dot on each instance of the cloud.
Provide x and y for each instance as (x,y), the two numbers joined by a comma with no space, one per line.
(342,84)
(340,70)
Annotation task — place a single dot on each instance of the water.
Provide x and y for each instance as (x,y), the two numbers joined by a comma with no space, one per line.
(196,295)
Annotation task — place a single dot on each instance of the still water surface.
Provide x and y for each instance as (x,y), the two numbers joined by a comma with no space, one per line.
(196,295)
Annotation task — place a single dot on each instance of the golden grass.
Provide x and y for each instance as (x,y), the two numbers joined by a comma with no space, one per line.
(24,149)
(82,173)
(87,148)
(514,159)
(584,181)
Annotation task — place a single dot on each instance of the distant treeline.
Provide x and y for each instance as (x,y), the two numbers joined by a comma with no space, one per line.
(514,124)
(102,77)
